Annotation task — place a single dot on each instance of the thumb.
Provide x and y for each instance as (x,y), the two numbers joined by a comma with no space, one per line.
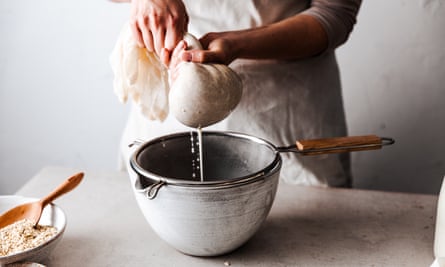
(201,56)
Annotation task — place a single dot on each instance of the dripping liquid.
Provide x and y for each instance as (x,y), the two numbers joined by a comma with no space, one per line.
(197,155)
(201,168)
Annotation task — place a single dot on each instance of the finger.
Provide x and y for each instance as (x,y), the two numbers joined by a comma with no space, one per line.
(146,34)
(158,40)
(137,35)
(181,46)
(165,57)
(200,56)
(148,40)
(172,38)
(156,25)
(176,57)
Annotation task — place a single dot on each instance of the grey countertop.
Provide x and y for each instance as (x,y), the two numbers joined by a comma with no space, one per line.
(307,226)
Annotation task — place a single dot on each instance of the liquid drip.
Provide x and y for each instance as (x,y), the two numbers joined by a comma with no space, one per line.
(201,169)
(196,149)
(193,155)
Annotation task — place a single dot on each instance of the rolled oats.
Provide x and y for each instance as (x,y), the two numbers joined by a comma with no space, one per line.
(22,235)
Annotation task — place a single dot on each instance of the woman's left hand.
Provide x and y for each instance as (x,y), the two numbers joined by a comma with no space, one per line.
(216,49)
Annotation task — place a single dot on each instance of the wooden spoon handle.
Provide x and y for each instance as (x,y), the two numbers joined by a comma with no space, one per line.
(339,144)
(65,187)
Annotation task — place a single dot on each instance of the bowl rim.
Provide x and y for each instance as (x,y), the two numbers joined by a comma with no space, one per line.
(273,166)
(33,251)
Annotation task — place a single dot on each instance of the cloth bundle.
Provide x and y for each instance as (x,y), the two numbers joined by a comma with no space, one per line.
(201,95)
(139,74)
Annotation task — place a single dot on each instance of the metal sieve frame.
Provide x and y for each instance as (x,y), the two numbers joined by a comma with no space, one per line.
(275,165)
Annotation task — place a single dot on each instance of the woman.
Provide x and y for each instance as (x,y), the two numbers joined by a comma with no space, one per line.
(284,51)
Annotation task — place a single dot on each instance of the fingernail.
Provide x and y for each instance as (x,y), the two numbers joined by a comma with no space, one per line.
(187,57)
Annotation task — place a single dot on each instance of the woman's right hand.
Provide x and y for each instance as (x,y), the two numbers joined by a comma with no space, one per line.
(158,25)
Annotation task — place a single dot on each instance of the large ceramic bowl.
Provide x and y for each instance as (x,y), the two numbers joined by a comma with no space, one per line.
(52,215)
(214,216)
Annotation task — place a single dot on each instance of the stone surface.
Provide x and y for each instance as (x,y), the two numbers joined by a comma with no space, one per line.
(307,226)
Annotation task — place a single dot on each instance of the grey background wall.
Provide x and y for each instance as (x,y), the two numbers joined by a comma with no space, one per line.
(57,106)
(394,84)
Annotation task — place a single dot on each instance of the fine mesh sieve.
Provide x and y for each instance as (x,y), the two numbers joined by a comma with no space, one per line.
(228,159)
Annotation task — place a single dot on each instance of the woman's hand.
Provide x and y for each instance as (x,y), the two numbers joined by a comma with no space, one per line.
(158,25)
(294,38)
(217,48)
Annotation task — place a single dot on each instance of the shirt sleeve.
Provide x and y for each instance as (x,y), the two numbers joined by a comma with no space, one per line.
(337,17)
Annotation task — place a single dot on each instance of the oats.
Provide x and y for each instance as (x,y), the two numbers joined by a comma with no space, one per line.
(22,235)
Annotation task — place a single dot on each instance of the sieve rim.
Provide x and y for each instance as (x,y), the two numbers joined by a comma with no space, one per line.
(272,167)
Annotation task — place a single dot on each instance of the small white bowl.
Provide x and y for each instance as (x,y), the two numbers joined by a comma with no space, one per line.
(52,215)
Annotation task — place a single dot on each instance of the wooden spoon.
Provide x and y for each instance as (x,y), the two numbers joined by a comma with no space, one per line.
(32,211)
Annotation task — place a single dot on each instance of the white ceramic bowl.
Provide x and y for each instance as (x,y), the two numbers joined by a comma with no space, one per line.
(52,215)
(215,216)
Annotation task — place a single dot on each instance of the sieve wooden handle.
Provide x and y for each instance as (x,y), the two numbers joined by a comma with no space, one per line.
(339,144)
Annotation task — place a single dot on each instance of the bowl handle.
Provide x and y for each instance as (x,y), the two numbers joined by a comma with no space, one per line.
(151,190)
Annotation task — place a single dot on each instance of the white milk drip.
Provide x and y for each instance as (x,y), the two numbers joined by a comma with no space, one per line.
(201,168)
(197,162)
